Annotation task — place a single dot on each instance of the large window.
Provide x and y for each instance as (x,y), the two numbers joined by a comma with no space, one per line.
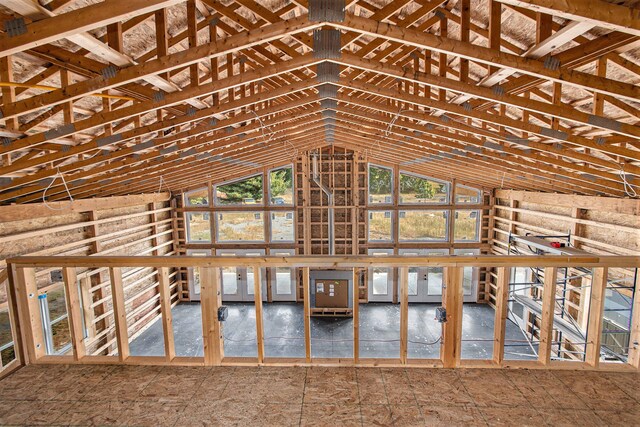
(466,226)
(282,227)
(380,226)
(422,225)
(247,191)
(380,185)
(197,197)
(281,186)
(198,227)
(415,189)
(240,226)
(467,195)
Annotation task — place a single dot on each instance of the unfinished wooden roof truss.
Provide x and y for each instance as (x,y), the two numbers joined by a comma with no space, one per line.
(135,96)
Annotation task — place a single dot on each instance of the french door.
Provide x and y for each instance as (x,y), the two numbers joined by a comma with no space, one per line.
(425,283)
(238,282)
(283,283)
(380,279)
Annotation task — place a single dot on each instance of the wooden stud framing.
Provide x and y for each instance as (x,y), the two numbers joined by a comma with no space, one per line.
(211,298)
(257,295)
(166,315)
(548,314)
(501,312)
(452,328)
(307,312)
(596,311)
(404,312)
(73,312)
(119,313)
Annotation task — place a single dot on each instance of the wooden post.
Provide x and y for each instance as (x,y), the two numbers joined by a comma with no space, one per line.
(404,312)
(452,328)
(167,316)
(29,310)
(257,294)
(502,309)
(548,304)
(17,329)
(356,316)
(307,312)
(211,299)
(119,312)
(73,312)
(596,310)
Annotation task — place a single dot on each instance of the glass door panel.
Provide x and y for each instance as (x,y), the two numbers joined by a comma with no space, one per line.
(380,279)
(283,280)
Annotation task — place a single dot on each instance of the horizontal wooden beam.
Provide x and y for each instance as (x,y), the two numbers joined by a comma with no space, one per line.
(330,261)
(78,21)
(608,204)
(603,14)
(20,212)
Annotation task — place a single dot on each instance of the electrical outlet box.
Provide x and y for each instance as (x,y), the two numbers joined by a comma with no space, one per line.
(441,314)
(56,276)
(223,313)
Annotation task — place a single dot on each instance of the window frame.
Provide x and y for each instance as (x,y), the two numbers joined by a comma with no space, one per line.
(455,202)
(188,228)
(478,225)
(446,226)
(293,218)
(393,229)
(186,198)
(293,185)
(369,203)
(244,178)
(428,178)
(265,240)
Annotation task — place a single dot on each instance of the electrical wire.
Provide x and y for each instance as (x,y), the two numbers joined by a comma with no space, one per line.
(44,193)
(263,128)
(161,182)
(628,188)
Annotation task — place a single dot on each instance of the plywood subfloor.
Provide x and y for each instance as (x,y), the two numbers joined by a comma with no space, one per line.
(198,396)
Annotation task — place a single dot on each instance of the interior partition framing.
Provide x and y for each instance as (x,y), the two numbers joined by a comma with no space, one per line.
(23,271)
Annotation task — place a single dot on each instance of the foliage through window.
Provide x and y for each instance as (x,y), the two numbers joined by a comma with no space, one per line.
(416,189)
(281,186)
(380,185)
(247,191)
(197,197)
(240,227)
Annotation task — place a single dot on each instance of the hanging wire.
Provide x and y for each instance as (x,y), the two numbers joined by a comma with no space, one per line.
(161,182)
(628,188)
(44,193)
(263,128)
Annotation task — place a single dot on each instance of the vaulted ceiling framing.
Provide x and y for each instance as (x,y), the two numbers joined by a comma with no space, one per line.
(117,96)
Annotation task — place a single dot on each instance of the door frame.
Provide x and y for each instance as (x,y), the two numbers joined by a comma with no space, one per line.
(243,294)
(291,297)
(423,284)
(388,297)
(193,295)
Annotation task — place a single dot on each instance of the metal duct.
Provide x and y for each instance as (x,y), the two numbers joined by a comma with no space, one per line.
(326,43)
(326,10)
(328,72)
(328,91)
(315,177)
